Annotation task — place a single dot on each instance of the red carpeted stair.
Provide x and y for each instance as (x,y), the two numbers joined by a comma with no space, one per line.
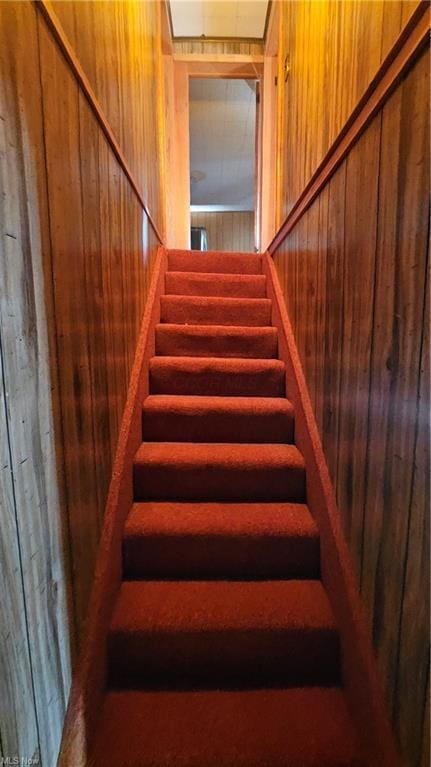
(223,649)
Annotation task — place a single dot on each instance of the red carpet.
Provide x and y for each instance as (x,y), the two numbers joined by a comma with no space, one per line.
(201,540)
(172,418)
(214,377)
(223,649)
(305,727)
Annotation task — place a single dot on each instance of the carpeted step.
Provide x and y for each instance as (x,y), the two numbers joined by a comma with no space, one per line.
(217,376)
(179,418)
(294,727)
(203,310)
(220,540)
(218,472)
(201,632)
(213,284)
(212,261)
(216,341)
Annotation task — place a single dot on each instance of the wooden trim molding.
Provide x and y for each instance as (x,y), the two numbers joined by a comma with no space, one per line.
(267,18)
(89,678)
(51,18)
(360,679)
(166,28)
(400,58)
(226,65)
(214,39)
(219,58)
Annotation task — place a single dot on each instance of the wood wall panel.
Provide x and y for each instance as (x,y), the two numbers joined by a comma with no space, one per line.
(119,47)
(227,230)
(354,274)
(218,46)
(328,73)
(36,652)
(76,258)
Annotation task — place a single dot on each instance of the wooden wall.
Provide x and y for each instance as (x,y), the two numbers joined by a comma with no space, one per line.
(355,274)
(227,230)
(118,44)
(332,50)
(76,256)
(217,46)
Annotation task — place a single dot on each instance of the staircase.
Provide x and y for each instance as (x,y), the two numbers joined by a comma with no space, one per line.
(223,649)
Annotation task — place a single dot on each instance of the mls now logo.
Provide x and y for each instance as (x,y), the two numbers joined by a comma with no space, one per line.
(21,761)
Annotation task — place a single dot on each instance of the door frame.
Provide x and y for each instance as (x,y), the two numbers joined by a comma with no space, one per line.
(178,68)
(271,110)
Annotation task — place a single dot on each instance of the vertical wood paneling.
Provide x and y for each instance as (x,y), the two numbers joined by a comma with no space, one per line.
(17,708)
(415,619)
(358,293)
(361,252)
(40,566)
(76,257)
(334,318)
(217,46)
(61,97)
(227,230)
(119,47)
(333,49)
(399,325)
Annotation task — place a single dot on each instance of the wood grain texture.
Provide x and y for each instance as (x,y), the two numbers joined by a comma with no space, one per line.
(317,40)
(76,258)
(408,46)
(177,184)
(218,46)
(38,570)
(119,46)
(227,230)
(99,296)
(356,290)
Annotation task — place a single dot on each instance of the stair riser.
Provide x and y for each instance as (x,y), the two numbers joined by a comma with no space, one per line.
(220,556)
(182,343)
(264,383)
(222,263)
(249,656)
(218,483)
(242,286)
(165,426)
(252,313)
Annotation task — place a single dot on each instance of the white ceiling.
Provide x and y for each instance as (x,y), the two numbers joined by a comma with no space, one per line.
(218,18)
(222,136)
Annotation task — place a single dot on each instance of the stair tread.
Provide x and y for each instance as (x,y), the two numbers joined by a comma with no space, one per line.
(230,364)
(223,330)
(196,418)
(216,340)
(224,519)
(217,375)
(215,471)
(298,727)
(194,403)
(215,310)
(217,518)
(215,284)
(174,298)
(220,540)
(202,254)
(199,605)
(214,261)
(203,454)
